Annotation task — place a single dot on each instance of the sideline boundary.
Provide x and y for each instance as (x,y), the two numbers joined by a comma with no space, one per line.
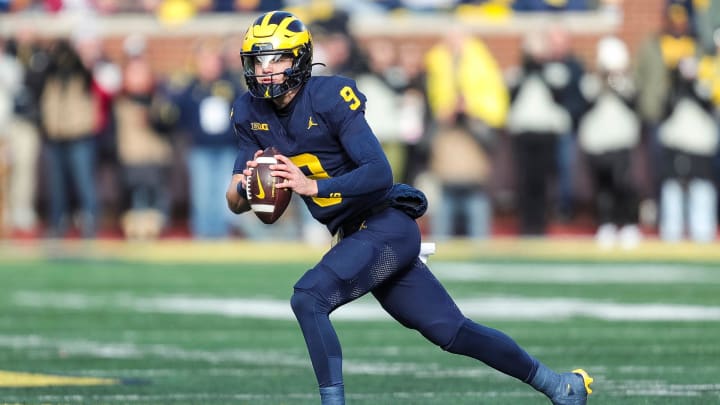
(237,251)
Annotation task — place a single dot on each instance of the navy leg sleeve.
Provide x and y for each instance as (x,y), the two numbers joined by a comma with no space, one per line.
(418,301)
(495,349)
(323,345)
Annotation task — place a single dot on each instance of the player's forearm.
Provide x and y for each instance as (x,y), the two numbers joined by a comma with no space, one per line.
(372,176)
(236,201)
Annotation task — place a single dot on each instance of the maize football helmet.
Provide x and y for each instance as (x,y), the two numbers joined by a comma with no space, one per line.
(274,35)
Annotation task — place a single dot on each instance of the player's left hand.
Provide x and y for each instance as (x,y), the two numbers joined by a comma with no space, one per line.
(294,177)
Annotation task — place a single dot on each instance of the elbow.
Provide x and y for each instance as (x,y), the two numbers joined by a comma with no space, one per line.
(231,203)
(238,207)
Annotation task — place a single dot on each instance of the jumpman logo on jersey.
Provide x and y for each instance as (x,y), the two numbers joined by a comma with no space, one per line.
(311,123)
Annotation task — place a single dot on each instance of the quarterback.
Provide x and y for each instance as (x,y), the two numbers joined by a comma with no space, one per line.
(331,158)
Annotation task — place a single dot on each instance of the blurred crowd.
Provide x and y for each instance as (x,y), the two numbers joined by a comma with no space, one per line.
(89,144)
(192,6)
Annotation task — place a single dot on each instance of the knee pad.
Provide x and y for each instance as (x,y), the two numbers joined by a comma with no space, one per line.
(302,302)
(325,286)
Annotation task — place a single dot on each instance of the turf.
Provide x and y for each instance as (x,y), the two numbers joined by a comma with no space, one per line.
(173,332)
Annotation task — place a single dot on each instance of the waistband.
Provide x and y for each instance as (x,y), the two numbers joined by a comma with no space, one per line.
(353,224)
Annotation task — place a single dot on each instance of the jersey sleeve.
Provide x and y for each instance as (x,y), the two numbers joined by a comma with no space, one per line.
(346,114)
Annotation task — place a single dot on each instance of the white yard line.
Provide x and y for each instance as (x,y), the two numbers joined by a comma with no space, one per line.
(263,358)
(590,273)
(664,389)
(492,307)
(121,350)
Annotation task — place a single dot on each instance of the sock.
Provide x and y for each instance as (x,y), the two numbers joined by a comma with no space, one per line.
(545,380)
(333,395)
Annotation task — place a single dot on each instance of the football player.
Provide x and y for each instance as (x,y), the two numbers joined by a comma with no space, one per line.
(332,159)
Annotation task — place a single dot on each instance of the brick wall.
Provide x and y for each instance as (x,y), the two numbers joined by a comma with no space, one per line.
(640,18)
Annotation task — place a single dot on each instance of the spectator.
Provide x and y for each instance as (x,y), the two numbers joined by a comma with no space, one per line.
(24,140)
(535,122)
(145,151)
(204,117)
(106,83)
(611,96)
(709,78)
(335,47)
(377,83)
(689,140)
(565,71)
(10,85)
(233,68)
(658,55)
(707,20)
(69,117)
(709,72)
(468,103)
(410,79)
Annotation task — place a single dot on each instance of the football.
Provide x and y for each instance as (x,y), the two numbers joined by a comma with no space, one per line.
(266,201)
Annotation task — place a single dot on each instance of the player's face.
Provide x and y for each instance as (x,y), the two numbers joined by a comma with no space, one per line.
(270,68)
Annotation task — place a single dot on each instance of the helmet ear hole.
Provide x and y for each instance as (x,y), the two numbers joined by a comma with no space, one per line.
(274,35)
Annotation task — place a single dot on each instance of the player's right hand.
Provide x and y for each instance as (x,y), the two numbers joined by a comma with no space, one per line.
(249,166)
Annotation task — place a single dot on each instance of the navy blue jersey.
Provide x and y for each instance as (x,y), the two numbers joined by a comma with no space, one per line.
(324,132)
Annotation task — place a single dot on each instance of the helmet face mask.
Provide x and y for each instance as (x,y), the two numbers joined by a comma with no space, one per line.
(272,37)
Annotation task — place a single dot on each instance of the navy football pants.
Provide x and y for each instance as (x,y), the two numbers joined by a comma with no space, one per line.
(382,258)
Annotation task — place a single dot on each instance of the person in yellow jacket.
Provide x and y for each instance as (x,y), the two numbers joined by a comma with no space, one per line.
(468,103)
(464,77)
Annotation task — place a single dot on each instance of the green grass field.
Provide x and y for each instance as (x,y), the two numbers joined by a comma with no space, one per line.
(181,323)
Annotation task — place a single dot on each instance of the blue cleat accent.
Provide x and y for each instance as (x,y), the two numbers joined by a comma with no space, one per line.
(573,389)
